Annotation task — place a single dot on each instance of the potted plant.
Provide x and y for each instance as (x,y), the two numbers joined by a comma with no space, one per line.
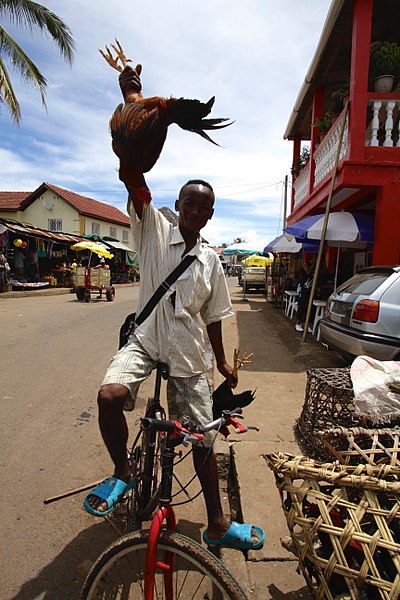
(338,98)
(385,65)
(324,124)
(300,162)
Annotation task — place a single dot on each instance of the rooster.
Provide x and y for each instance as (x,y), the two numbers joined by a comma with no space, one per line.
(139,126)
(224,398)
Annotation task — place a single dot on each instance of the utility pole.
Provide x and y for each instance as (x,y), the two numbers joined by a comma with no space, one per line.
(285,202)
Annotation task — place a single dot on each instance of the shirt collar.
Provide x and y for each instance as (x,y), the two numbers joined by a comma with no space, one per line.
(197,250)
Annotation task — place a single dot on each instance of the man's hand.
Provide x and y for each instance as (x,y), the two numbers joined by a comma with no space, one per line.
(227,371)
(130,83)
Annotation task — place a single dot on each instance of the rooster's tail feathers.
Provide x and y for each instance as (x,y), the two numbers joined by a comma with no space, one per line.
(190,115)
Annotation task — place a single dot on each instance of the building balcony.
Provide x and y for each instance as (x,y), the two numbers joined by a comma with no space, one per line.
(382,143)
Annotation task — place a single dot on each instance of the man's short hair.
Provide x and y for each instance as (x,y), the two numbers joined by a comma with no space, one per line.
(197,182)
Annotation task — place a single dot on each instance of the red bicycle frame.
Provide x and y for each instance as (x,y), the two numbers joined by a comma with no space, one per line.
(165,513)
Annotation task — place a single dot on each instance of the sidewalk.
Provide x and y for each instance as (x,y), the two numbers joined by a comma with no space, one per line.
(51,291)
(278,374)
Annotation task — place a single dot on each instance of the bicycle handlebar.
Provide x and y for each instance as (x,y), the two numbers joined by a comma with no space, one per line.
(190,432)
(158,424)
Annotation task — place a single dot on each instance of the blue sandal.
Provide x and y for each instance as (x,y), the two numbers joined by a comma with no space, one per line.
(111,491)
(238,536)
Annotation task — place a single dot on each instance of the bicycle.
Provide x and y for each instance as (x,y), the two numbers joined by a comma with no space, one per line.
(160,563)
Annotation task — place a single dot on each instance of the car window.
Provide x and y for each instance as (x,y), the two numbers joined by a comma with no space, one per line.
(363,283)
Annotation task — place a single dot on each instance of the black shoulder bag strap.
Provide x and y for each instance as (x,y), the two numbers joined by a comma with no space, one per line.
(164,287)
(132,320)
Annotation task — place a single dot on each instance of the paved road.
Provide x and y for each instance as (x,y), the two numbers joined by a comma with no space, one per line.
(54,351)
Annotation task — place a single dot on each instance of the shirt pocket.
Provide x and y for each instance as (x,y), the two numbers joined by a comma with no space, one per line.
(192,290)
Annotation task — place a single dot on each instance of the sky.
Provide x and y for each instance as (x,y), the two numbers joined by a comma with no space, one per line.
(252,56)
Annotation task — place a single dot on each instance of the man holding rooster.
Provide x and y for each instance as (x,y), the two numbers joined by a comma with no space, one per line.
(171,333)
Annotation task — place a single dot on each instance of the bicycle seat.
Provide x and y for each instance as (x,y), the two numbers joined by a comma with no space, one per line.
(164,369)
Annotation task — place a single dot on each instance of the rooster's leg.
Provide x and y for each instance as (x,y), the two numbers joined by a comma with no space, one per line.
(120,56)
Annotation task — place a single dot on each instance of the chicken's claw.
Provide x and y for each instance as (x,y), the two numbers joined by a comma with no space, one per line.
(239,362)
(120,56)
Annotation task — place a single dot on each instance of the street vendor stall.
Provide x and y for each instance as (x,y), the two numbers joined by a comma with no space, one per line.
(89,279)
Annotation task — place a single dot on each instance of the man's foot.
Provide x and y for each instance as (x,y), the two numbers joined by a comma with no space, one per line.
(240,536)
(104,498)
(298,327)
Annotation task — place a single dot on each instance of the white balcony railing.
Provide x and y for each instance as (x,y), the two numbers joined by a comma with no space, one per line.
(383,129)
(325,154)
(301,185)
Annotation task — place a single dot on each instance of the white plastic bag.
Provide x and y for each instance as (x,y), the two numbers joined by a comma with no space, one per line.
(374,382)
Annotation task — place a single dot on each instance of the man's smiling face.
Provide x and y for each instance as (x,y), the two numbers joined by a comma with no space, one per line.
(195,207)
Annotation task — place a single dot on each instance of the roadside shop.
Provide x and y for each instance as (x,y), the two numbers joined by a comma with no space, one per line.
(37,258)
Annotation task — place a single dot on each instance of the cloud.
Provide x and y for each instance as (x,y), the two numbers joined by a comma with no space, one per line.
(251,56)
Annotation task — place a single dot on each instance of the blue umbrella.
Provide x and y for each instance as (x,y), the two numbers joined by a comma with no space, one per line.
(342,227)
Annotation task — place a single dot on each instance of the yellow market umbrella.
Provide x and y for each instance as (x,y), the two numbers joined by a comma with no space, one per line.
(257,261)
(92,247)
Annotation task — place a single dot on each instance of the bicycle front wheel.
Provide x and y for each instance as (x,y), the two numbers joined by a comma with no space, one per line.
(197,574)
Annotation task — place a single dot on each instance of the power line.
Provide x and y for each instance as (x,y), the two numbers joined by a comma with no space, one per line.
(158,190)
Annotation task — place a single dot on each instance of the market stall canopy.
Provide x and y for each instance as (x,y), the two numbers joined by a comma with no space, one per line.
(95,247)
(108,242)
(119,246)
(242,248)
(342,227)
(18,228)
(257,261)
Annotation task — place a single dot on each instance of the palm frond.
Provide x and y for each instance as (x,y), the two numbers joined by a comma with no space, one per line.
(26,13)
(22,63)
(7,93)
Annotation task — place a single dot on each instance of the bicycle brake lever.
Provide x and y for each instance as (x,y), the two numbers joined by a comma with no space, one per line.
(192,437)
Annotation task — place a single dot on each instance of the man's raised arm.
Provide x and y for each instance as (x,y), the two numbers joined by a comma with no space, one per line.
(139,193)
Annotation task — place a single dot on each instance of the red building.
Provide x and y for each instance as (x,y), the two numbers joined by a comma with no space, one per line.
(358,36)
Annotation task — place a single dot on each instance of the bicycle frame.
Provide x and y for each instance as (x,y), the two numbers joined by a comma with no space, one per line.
(171,435)
(165,513)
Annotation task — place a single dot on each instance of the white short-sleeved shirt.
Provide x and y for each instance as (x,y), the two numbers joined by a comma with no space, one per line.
(173,332)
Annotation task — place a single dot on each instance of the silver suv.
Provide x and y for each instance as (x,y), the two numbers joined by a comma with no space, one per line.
(363,315)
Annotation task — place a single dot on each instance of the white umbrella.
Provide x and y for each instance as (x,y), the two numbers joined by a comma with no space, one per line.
(344,230)
(342,227)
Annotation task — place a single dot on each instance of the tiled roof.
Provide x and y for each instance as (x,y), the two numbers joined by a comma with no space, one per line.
(12,200)
(88,207)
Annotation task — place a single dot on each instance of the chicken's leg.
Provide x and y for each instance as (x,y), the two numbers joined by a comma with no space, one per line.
(120,56)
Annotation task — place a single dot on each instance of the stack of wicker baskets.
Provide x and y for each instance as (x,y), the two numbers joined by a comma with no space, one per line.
(329,402)
(345,525)
(343,515)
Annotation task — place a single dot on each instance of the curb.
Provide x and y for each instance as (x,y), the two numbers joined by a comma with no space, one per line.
(53,291)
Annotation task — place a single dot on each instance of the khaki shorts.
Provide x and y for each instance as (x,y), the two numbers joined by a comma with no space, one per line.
(189,396)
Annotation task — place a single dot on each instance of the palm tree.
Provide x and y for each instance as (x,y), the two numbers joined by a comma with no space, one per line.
(33,16)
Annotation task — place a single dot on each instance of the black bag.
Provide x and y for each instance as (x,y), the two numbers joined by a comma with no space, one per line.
(131,320)
(126,330)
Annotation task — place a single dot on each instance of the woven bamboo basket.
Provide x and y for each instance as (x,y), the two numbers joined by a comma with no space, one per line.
(344,523)
(328,403)
(359,445)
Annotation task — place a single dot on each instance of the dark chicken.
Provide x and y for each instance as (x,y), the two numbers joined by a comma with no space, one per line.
(225,399)
(139,126)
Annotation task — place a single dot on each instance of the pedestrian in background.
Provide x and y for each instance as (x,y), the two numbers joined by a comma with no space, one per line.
(4,269)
